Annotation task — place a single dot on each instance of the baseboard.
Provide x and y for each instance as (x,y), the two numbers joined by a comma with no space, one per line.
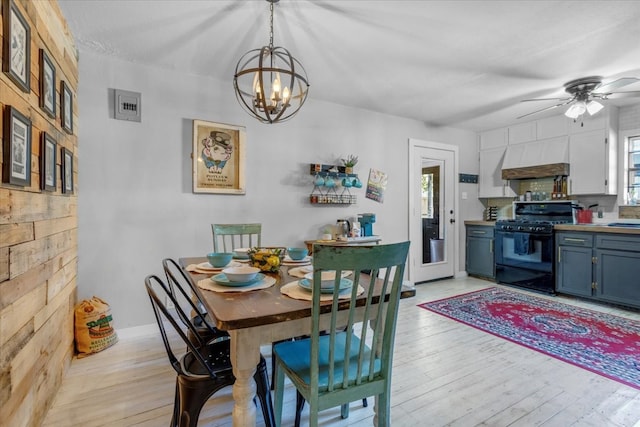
(460,275)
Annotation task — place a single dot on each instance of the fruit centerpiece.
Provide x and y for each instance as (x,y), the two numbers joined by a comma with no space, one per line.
(266,259)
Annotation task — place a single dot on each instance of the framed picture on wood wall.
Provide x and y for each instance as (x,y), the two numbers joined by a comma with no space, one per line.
(66,107)
(16,164)
(17,46)
(48,150)
(218,158)
(67,171)
(47,84)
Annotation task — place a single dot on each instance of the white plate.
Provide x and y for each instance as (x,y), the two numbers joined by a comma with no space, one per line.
(327,277)
(221,279)
(306,259)
(344,284)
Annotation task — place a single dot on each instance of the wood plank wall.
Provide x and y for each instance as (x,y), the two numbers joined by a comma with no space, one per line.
(38,236)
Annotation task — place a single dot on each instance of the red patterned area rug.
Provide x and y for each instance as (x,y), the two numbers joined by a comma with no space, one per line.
(602,343)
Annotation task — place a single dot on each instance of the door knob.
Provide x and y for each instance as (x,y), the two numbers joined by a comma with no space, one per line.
(452,220)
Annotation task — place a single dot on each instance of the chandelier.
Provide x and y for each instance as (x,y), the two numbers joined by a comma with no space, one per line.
(269,82)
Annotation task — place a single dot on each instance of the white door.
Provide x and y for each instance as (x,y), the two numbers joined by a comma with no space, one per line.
(433,168)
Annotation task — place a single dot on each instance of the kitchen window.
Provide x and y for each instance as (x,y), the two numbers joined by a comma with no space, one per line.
(633,171)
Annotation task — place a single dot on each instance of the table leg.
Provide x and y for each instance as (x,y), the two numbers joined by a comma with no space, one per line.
(378,351)
(245,355)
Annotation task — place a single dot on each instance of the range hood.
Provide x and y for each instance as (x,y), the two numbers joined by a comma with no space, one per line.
(537,159)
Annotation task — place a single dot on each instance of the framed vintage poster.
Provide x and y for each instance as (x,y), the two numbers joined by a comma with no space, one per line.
(376,185)
(66,107)
(67,171)
(47,84)
(16,164)
(48,149)
(17,46)
(218,158)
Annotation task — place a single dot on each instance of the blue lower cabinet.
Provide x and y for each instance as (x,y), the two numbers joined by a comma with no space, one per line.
(617,269)
(480,260)
(574,271)
(601,266)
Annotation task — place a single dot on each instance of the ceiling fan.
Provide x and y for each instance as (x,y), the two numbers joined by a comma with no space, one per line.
(583,94)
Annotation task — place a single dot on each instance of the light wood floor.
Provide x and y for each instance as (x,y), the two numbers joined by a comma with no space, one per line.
(445,373)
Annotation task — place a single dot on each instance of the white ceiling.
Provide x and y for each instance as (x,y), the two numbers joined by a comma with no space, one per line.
(465,64)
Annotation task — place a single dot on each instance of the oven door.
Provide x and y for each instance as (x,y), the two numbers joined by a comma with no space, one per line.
(524,250)
(524,259)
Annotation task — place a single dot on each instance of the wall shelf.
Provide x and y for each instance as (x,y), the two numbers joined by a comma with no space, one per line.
(331,199)
(323,195)
(330,170)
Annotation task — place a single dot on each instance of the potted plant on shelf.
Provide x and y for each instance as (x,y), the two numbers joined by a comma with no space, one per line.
(349,163)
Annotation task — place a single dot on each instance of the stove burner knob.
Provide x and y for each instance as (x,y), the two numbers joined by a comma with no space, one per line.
(520,228)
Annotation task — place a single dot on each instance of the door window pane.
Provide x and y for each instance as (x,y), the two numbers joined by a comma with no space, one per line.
(633,171)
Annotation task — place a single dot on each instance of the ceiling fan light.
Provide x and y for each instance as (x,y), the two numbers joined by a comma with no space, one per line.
(593,107)
(576,110)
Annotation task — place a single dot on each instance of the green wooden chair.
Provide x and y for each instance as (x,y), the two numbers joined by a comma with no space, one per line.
(345,364)
(227,237)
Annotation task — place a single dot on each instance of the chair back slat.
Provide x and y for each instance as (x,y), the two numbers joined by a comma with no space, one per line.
(366,347)
(186,294)
(159,292)
(227,237)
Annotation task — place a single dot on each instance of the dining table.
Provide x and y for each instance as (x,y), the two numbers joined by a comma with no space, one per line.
(262,317)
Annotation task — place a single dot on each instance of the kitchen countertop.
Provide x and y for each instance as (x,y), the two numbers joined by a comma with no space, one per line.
(596,228)
(479,222)
(593,228)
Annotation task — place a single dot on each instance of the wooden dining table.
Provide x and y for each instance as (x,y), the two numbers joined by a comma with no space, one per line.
(260,317)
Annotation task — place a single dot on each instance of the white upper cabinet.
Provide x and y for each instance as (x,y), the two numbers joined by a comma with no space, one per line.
(524,132)
(552,127)
(586,168)
(592,148)
(593,152)
(494,138)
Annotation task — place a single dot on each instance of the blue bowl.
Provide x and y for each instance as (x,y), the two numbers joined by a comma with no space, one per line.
(297,254)
(219,259)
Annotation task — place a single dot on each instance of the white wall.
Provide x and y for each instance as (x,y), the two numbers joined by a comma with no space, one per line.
(135,202)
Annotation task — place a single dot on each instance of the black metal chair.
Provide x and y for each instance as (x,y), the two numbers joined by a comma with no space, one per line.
(188,295)
(204,367)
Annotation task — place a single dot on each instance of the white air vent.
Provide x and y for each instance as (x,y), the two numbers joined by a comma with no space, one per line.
(128,105)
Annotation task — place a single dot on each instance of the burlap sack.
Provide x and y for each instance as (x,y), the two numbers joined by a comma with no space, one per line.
(93,327)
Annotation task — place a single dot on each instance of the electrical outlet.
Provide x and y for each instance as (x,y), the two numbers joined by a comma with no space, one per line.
(169,304)
(600,215)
